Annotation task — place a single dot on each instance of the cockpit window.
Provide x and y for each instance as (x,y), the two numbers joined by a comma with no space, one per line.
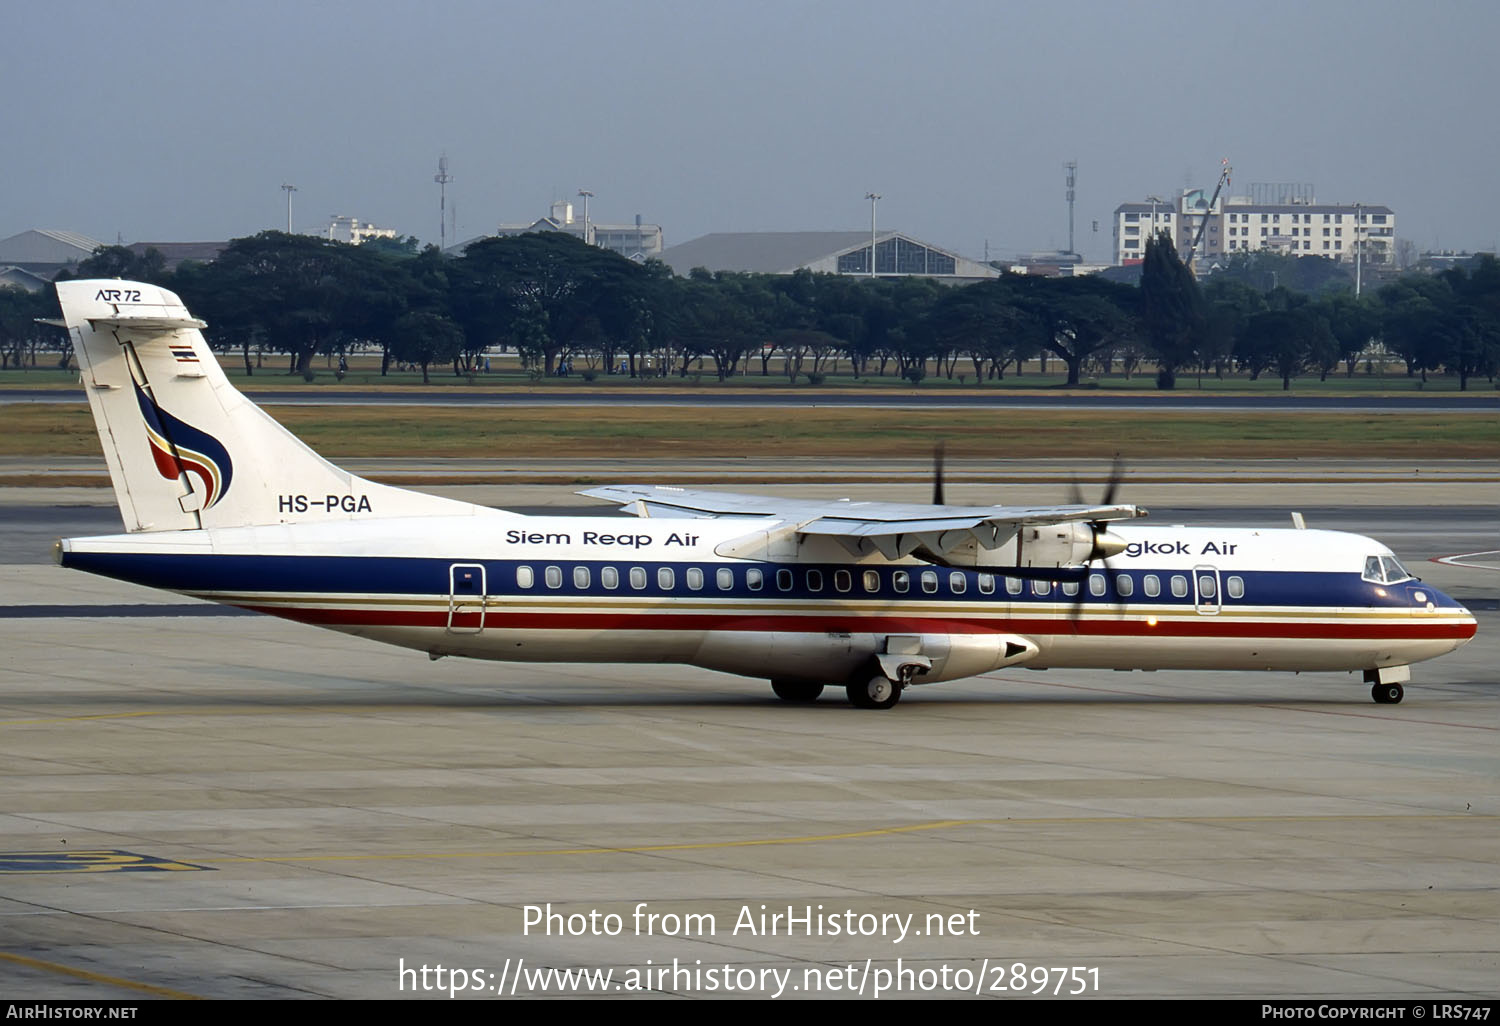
(1394,571)
(1384,570)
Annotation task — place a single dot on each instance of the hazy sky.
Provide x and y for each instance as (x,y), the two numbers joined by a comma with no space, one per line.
(179,121)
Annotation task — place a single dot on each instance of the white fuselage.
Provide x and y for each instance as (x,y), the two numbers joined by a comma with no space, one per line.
(612,589)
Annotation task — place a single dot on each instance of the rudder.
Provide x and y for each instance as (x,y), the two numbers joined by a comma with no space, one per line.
(185,448)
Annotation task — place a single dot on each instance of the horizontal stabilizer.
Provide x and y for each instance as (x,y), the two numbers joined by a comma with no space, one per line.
(147,325)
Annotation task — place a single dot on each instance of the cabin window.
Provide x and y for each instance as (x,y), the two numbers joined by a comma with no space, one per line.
(900,581)
(1207,589)
(1096,584)
(1070,588)
(1152,586)
(581,578)
(842,581)
(725,578)
(754,579)
(609,577)
(957,582)
(524,577)
(929,581)
(872,580)
(986,584)
(1179,586)
(553,577)
(665,578)
(1013,586)
(784,580)
(1124,585)
(815,580)
(694,578)
(1042,588)
(638,577)
(1236,586)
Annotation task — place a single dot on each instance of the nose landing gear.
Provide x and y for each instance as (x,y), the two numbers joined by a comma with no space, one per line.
(1385,683)
(876,691)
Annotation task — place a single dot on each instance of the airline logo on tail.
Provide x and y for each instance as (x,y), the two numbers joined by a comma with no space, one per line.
(178,448)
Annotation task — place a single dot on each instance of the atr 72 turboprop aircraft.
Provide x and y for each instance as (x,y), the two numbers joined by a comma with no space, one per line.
(220,502)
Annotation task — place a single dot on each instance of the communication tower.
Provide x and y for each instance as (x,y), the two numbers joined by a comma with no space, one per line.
(442,178)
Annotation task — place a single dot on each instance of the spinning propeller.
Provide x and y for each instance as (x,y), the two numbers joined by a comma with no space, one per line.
(1105,544)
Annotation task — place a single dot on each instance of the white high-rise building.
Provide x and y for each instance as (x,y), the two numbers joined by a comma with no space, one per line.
(1240,224)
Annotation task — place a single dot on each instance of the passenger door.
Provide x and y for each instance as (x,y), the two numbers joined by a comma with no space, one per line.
(466,598)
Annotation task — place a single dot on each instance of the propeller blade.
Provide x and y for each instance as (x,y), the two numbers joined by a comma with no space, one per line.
(937,475)
(1102,548)
(1116,474)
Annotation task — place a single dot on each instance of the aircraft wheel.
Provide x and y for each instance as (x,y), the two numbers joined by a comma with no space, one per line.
(876,692)
(796,690)
(1387,694)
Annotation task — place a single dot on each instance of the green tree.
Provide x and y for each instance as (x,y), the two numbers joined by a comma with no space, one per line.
(122,262)
(423,337)
(308,294)
(550,287)
(1286,340)
(22,339)
(1172,311)
(1471,343)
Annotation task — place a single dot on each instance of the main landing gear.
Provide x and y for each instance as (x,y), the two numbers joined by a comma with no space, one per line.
(1387,694)
(797,690)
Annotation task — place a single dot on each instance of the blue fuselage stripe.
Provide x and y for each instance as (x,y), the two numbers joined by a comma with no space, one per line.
(319,577)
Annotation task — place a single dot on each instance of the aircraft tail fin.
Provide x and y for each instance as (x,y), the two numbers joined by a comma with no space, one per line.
(185,448)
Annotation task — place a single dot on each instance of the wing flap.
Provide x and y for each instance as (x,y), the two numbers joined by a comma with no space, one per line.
(894,529)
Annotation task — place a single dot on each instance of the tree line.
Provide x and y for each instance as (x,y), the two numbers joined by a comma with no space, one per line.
(562,304)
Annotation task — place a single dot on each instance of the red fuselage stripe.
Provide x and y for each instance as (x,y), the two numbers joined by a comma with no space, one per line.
(1206,627)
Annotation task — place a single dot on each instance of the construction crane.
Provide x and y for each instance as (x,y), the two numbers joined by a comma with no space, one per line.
(1223,181)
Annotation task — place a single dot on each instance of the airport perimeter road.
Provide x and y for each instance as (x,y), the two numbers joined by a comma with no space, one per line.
(1183,400)
(235,806)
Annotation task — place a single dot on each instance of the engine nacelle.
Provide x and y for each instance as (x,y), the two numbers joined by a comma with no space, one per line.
(1038,546)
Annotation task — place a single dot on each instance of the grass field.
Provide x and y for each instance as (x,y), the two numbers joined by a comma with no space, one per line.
(569,433)
(365,374)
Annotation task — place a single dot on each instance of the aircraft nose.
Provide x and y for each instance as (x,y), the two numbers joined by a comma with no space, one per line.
(1424,596)
(1429,601)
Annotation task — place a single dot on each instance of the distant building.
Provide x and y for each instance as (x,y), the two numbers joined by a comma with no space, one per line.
(829,252)
(342,228)
(15,278)
(44,252)
(1240,224)
(1057,264)
(638,241)
(1435,260)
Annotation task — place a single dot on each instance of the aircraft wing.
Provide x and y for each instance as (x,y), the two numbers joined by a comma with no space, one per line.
(893,528)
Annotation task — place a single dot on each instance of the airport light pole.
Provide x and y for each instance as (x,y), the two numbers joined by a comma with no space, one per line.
(288,189)
(1359,250)
(873,197)
(1155,201)
(586,197)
